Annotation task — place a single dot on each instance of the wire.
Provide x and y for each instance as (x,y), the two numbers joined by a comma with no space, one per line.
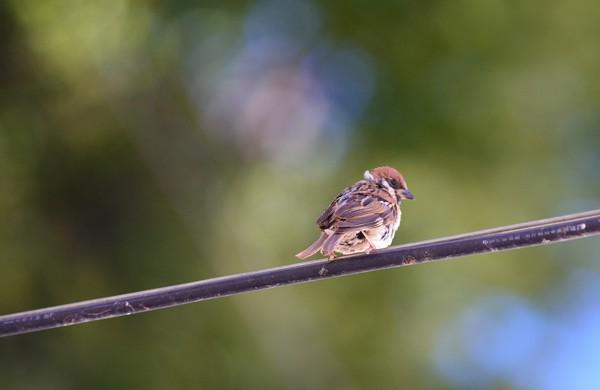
(533,233)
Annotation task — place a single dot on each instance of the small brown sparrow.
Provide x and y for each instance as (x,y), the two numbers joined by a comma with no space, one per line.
(363,217)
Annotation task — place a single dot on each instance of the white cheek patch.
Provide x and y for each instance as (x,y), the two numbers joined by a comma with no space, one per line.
(367,175)
(386,184)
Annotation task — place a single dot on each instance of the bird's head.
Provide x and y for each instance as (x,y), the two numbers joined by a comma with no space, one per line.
(391,180)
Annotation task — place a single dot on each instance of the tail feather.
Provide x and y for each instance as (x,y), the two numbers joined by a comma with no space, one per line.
(313,248)
(330,244)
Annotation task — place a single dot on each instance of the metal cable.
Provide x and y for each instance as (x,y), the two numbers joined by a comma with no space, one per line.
(533,233)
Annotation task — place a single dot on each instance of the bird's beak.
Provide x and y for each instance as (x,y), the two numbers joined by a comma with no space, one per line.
(406,194)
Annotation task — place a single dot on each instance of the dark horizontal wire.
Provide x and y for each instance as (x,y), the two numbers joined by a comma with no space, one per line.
(533,233)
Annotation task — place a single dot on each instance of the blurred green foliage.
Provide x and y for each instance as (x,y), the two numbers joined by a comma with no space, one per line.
(115,177)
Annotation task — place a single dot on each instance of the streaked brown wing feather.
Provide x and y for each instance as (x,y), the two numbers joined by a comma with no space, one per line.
(355,216)
(325,218)
(358,208)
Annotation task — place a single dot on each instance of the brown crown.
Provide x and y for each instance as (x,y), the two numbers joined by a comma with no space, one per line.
(389,174)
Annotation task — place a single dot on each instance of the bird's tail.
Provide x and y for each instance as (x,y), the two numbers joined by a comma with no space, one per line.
(313,248)
(329,245)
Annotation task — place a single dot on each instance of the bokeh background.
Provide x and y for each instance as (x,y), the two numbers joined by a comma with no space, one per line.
(147,143)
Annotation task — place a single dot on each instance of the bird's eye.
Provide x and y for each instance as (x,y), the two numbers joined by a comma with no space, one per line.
(394,183)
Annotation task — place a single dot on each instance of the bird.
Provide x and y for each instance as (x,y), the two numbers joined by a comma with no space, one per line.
(363,217)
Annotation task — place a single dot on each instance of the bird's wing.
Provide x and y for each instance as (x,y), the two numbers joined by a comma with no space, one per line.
(359,211)
(369,213)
